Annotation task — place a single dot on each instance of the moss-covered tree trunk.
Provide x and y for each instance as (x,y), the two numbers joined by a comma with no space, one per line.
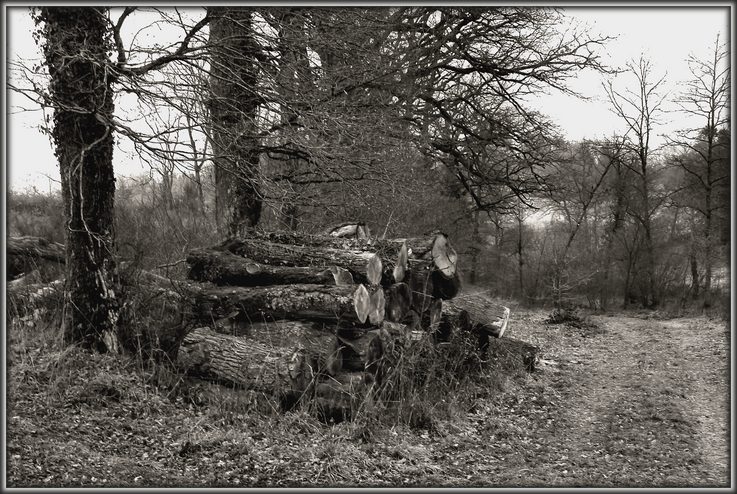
(233,105)
(76,41)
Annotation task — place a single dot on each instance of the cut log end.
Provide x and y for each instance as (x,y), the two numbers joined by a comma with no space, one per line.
(400,268)
(351,230)
(374,269)
(362,303)
(378,307)
(341,276)
(444,256)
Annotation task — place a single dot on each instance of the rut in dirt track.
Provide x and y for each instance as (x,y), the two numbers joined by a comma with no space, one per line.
(648,405)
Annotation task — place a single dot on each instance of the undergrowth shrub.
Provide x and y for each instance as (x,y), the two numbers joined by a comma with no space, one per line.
(422,384)
(572,318)
(152,320)
(154,231)
(36,214)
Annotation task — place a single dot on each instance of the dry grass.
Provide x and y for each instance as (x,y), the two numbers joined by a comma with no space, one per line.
(619,407)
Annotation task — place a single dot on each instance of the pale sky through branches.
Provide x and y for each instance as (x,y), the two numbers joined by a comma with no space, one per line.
(665,35)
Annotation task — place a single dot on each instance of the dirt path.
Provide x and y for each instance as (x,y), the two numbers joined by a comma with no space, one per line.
(644,404)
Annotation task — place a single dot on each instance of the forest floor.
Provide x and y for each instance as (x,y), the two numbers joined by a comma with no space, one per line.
(633,402)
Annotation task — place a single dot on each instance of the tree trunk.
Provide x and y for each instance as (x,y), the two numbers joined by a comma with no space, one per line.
(611,235)
(233,106)
(627,284)
(225,268)
(419,248)
(694,275)
(321,302)
(650,295)
(293,78)
(520,258)
(708,241)
(198,182)
(77,42)
(241,362)
(320,345)
(475,313)
(324,252)
(475,248)
(24,254)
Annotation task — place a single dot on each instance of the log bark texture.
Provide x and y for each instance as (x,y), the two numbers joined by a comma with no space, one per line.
(294,249)
(418,247)
(320,345)
(36,247)
(258,304)
(226,268)
(470,312)
(296,255)
(207,354)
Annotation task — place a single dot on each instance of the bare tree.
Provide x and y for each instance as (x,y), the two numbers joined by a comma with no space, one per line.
(617,189)
(467,73)
(706,98)
(639,108)
(573,188)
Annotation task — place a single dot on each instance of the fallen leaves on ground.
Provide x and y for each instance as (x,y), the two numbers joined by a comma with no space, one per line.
(622,406)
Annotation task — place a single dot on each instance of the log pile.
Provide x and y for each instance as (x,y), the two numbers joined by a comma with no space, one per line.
(317,315)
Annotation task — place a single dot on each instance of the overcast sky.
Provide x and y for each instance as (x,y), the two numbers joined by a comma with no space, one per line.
(665,35)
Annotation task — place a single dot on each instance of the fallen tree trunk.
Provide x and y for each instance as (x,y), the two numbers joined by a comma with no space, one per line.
(510,353)
(296,255)
(36,247)
(226,268)
(321,346)
(28,278)
(418,247)
(475,313)
(276,302)
(209,355)
(323,251)
(24,254)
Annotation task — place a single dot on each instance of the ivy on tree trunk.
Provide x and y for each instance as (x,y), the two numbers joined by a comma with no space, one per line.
(75,44)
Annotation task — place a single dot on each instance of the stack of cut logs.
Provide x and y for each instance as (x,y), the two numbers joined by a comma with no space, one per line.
(312,315)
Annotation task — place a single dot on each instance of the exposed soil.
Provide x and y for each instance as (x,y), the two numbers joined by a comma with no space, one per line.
(635,403)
